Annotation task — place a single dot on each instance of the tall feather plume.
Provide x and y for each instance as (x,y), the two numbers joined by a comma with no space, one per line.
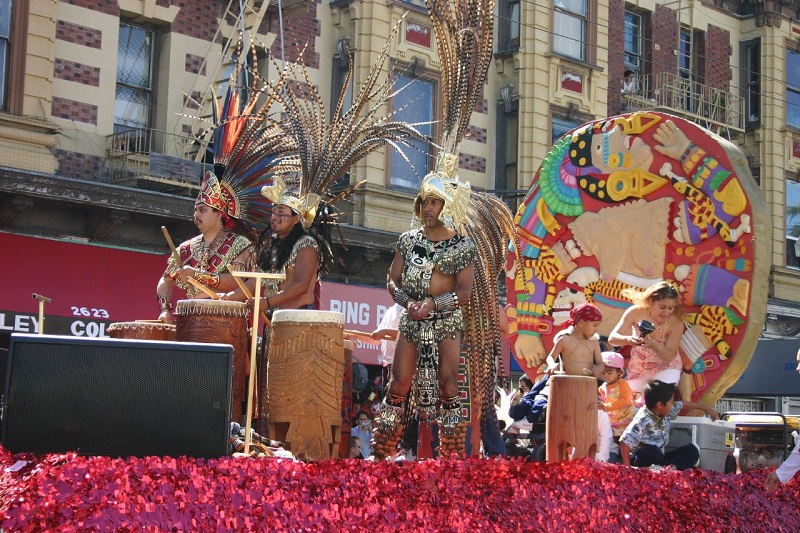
(328,150)
(463,30)
(312,154)
(249,145)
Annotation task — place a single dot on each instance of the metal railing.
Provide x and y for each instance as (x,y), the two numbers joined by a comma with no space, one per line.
(154,159)
(708,106)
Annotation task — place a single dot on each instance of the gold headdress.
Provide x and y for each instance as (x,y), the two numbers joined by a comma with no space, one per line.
(305,206)
(444,184)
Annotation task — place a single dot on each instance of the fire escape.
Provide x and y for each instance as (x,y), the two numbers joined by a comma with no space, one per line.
(678,92)
(172,161)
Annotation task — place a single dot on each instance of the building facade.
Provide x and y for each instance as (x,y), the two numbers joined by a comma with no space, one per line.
(103,104)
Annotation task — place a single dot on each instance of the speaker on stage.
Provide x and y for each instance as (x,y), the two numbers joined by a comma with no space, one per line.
(117,397)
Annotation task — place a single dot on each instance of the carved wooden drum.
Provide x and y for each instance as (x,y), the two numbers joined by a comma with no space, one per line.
(222,322)
(305,381)
(145,331)
(571,418)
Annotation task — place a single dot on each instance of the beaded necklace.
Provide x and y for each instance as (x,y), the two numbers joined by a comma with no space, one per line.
(433,256)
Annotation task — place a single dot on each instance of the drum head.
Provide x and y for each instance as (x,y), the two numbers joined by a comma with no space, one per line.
(308,315)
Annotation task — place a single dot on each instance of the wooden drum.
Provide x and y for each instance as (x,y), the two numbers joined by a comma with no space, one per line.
(304,382)
(571,418)
(222,322)
(145,331)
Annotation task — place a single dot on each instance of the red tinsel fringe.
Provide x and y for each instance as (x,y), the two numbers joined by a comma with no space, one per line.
(68,492)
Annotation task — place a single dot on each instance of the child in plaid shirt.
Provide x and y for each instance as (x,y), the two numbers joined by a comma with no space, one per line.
(643,441)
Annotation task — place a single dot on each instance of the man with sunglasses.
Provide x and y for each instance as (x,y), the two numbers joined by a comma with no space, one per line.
(290,250)
(207,257)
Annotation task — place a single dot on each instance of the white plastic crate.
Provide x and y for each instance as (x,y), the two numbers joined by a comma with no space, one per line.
(715,439)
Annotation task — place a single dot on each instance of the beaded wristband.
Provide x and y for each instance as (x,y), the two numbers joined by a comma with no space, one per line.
(401,297)
(163,303)
(446,302)
(207,278)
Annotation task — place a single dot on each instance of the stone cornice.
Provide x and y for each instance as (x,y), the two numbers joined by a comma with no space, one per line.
(95,194)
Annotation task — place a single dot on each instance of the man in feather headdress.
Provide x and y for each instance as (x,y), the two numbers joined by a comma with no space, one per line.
(445,274)
(430,277)
(291,250)
(207,257)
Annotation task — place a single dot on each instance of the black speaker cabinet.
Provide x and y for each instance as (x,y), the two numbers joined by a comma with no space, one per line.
(117,397)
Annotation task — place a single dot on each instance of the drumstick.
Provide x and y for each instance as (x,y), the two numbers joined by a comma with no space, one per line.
(171,244)
(241,285)
(248,295)
(203,288)
(355,333)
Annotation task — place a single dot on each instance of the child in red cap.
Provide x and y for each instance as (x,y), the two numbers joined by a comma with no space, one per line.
(578,345)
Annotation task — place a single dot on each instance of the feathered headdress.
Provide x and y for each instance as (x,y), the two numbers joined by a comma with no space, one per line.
(249,148)
(463,32)
(325,151)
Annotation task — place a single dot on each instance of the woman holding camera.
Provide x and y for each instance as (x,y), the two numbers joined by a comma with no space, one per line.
(653,328)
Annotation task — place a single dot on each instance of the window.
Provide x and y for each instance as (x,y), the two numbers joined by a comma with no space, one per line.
(341,65)
(507,147)
(792,223)
(414,104)
(569,28)
(5,51)
(633,42)
(508,28)
(793,89)
(560,126)
(685,54)
(685,66)
(513,19)
(134,98)
(751,81)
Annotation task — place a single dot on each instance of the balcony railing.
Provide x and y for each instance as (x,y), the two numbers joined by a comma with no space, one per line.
(154,159)
(708,106)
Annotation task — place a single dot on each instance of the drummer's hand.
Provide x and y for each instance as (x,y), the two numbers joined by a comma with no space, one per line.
(262,304)
(166,317)
(186,272)
(227,295)
(420,310)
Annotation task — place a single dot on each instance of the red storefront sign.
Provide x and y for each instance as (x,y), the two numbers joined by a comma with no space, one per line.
(90,286)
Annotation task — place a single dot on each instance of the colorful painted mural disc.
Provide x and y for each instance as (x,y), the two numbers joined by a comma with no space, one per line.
(632,200)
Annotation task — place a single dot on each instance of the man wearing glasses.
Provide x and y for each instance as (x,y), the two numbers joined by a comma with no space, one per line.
(290,250)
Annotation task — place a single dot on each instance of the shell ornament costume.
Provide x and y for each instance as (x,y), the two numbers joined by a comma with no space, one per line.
(484,227)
